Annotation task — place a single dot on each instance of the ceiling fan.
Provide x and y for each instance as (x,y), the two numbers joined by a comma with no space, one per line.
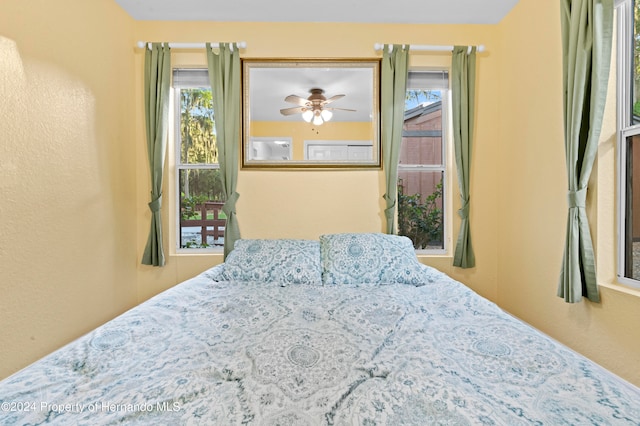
(314,107)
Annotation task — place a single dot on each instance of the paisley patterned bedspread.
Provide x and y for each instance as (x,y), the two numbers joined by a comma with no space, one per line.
(231,353)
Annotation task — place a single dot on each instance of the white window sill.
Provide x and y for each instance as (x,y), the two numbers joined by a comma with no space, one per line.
(199,252)
(621,288)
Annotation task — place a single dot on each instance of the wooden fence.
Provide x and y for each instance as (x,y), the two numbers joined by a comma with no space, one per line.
(208,227)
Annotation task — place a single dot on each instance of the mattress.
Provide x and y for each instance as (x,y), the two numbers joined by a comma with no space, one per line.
(220,351)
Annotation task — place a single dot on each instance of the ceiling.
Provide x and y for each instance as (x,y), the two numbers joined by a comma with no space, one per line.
(354,11)
(269,86)
(329,11)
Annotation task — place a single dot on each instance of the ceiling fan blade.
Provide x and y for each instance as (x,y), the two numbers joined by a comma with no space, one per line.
(291,111)
(294,99)
(333,98)
(340,109)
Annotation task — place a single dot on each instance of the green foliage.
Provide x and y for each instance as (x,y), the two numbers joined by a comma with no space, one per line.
(190,206)
(421,221)
(202,182)
(197,127)
(195,244)
(414,97)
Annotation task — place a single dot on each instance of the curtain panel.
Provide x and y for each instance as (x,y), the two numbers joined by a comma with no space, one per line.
(463,83)
(157,86)
(224,73)
(393,88)
(587,28)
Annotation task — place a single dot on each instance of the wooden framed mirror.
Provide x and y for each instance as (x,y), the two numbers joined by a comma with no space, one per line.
(311,113)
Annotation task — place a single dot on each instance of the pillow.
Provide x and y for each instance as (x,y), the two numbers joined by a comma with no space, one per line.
(279,260)
(215,273)
(370,258)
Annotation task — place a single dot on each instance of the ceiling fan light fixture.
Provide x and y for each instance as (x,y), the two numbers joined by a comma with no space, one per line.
(314,108)
(307,116)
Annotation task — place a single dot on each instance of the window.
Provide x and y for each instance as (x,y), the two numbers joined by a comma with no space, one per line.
(198,182)
(421,168)
(628,16)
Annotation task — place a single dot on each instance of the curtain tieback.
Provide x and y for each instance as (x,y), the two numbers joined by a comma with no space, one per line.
(229,206)
(388,199)
(577,198)
(156,204)
(463,212)
(389,211)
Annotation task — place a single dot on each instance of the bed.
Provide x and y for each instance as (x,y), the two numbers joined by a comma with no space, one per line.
(349,329)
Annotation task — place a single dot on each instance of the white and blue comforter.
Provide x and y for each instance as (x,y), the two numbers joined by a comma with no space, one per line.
(231,353)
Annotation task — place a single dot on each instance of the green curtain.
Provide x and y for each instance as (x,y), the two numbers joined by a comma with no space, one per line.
(157,81)
(393,89)
(463,87)
(587,27)
(224,73)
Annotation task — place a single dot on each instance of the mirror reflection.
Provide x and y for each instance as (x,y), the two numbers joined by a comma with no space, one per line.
(310,113)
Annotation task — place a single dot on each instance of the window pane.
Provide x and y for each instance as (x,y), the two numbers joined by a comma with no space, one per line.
(201,198)
(421,170)
(628,15)
(420,212)
(422,150)
(422,131)
(632,204)
(197,130)
(635,95)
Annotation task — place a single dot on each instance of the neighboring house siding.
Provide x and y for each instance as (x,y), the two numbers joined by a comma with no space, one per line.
(425,149)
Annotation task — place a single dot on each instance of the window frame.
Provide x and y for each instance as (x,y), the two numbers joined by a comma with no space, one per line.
(444,167)
(625,127)
(197,81)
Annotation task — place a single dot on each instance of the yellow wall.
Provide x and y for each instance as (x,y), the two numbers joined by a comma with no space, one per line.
(73,163)
(306,204)
(67,167)
(301,131)
(532,203)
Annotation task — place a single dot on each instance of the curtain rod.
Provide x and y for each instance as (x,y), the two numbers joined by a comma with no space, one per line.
(142,44)
(427,48)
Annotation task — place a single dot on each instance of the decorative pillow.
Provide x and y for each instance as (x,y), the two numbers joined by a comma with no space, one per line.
(370,258)
(215,273)
(279,260)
